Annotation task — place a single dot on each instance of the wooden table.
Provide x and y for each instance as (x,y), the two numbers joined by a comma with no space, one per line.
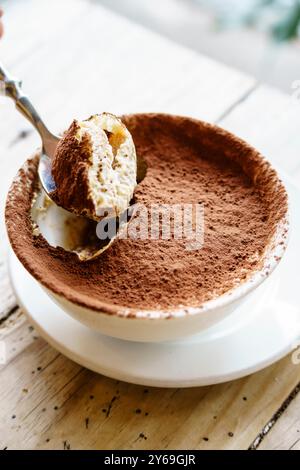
(75,59)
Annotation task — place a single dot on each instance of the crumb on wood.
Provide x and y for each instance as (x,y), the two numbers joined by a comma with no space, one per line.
(67,445)
(114,398)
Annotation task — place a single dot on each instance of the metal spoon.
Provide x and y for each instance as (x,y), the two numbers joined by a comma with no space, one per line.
(11,87)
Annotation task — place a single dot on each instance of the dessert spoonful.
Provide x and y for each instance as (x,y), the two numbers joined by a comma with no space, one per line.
(94,168)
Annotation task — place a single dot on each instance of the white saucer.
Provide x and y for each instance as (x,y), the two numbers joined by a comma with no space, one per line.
(264,329)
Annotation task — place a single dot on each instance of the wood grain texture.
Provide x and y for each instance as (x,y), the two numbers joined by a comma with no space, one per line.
(93,61)
(269,120)
(8,301)
(50,400)
(285,434)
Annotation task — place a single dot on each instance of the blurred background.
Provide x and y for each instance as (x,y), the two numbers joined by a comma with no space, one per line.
(259,37)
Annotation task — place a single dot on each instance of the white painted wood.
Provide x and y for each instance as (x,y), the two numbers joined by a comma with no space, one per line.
(269,120)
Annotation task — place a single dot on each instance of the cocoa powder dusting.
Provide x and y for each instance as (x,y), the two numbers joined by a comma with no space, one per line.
(188,162)
(70,172)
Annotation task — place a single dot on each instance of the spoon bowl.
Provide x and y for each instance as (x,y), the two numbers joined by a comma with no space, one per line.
(45,174)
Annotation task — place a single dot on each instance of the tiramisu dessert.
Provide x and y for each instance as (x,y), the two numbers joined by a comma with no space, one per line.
(95,167)
(189,162)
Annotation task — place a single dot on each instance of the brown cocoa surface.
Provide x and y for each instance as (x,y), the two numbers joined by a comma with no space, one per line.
(188,162)
(70,172)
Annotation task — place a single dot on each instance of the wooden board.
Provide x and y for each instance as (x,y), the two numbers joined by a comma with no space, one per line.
(93,61)
(285,435)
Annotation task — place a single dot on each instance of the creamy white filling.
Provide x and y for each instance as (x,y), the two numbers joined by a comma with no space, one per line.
(113,168)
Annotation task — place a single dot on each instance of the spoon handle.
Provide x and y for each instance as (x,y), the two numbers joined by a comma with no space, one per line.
(11,87)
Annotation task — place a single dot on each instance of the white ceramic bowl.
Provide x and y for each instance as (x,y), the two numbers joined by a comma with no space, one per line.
(143,325)
(154,329)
